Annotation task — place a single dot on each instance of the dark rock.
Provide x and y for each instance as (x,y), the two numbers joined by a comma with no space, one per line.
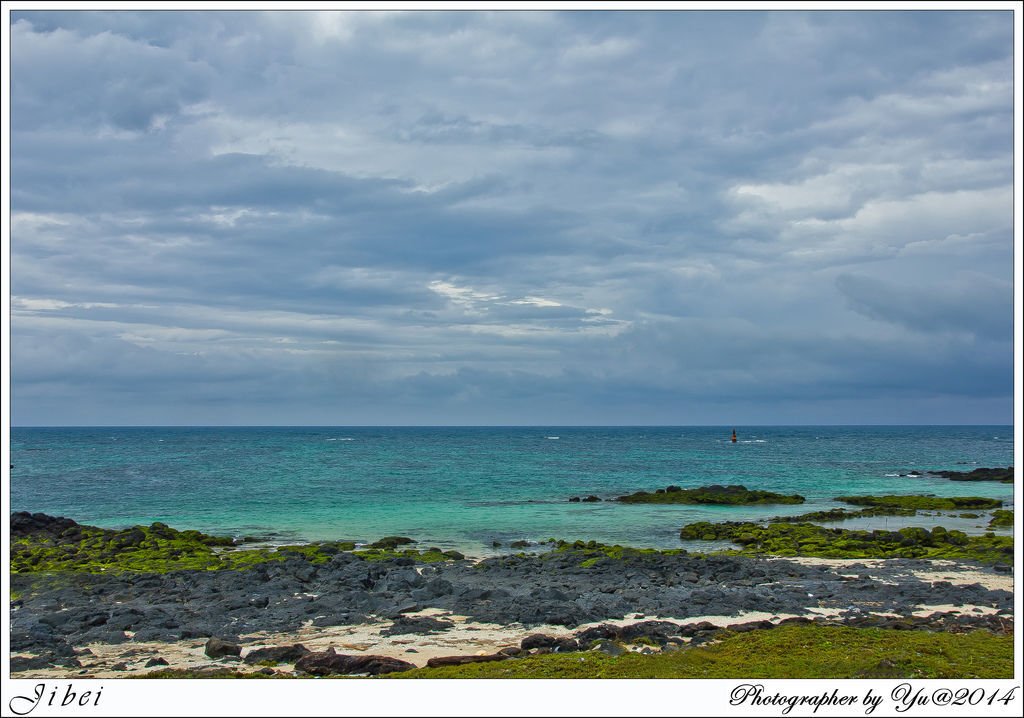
(21,663)
(549,594)
(422,625)
(25,524)
(463,660)
(612,649)
(591,499)
(157,661)
(217,648)
(750,626)
(276,654)
(392,542)
(654,630)
(1002,475)
(554,644)
(695,628)
(703,637)
(594,633)
(330,663)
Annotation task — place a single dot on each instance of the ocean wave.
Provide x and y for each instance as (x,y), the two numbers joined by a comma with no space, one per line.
(343,438)
(552,437)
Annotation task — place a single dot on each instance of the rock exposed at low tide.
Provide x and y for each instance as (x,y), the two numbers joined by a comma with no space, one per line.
(562,587)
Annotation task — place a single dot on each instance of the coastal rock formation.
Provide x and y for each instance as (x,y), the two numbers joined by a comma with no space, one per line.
(276,654)
(715,494)
(326,663)
(1004,476)
(439,661)
(937,503)
(217,648)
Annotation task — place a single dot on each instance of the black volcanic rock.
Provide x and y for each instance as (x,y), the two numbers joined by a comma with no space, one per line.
(1004,476)
(329,662)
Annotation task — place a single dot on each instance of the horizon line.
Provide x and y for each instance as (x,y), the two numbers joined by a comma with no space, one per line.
(466,426)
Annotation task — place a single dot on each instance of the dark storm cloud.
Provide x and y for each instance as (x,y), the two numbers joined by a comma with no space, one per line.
(510,217)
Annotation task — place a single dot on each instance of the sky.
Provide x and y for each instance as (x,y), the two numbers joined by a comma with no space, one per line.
(586,217)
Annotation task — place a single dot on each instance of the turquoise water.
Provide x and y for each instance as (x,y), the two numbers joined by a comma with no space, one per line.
(466,487)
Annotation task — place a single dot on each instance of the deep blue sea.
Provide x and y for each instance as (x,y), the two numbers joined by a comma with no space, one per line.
(470,486)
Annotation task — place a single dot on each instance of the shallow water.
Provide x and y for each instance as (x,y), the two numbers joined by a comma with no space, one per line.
(467,487)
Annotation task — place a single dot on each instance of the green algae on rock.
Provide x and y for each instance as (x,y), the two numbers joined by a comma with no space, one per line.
(845,514)
(714,494)
(590,553)
(1001,518)
(46,544)
(924,502)
(805,539)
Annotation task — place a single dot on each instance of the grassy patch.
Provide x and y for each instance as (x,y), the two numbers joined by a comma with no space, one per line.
(934,503)
(785,652)
(804,539)
(729,495)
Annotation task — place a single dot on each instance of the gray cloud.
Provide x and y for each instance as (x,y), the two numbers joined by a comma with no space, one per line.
(458,217)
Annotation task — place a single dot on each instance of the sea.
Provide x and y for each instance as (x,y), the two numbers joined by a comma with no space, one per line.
(470,488)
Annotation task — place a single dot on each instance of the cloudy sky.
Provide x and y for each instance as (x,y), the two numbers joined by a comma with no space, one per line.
(511,217)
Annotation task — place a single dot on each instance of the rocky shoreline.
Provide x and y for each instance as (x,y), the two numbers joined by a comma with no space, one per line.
(61,623)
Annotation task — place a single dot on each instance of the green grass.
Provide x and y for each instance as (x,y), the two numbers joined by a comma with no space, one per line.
(728,495)
(924,502)
(787,652)
(804,539)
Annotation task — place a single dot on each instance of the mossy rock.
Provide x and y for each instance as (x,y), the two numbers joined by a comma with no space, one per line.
(805,539)
(715,494)
(917,502)
(392,542)
(1001,518)
(840,514)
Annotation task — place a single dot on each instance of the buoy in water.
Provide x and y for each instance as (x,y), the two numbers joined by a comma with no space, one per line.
(734,436)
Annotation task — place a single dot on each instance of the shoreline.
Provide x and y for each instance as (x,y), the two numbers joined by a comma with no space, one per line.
(383,604)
